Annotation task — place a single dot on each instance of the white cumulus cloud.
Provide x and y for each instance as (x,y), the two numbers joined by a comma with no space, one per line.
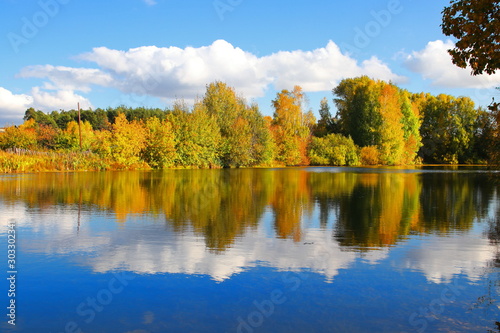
(322,69)
(434,63)
(67,78)
(13,106)
(172,72)
(60,99)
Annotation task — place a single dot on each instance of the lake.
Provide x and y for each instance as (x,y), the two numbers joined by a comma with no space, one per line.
(252,250)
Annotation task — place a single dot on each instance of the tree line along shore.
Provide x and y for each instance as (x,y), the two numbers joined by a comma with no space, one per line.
(375,123)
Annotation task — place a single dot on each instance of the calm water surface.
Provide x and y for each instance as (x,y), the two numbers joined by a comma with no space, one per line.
(265,250)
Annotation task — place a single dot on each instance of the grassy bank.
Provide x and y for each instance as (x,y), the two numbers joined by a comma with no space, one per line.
(15,162)
(51,161)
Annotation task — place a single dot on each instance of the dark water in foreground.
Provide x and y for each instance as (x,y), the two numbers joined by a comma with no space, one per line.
(264,250)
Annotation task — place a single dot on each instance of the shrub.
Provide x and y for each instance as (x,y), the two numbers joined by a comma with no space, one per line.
(333,149)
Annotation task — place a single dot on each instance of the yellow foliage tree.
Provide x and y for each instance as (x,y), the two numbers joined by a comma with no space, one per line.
(391,145)
(127,141)
(292,128)
(70,137)
(23,136)
(159,150)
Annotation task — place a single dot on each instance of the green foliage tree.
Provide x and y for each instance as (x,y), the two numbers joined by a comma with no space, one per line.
(262,146)
(326,123)
(63,118)
(482,138)
(448,129)
(39,117)
(411,127)
(357,104)
(494,142)
(98,119)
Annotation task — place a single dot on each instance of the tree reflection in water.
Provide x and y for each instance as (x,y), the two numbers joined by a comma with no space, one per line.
(367,208)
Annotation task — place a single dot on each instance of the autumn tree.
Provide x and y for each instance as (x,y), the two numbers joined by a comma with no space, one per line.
(291,127)
(127,141)
(206,136)
(391,143)
(222,103)
(369,155)
(197,134)
(376,113)
(243,132)
(476,26)
(46,136)
(23,136)
(69,138)
(159,149)
(252,139)
(269,148)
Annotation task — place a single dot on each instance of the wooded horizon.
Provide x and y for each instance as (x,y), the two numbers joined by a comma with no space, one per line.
(377,123)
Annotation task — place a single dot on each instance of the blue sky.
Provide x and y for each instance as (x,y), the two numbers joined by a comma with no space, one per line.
(56,53)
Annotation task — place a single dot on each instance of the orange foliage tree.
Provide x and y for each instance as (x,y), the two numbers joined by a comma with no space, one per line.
(291,127)
(23,136)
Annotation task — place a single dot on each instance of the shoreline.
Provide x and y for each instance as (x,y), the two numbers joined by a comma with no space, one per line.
(14,163)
